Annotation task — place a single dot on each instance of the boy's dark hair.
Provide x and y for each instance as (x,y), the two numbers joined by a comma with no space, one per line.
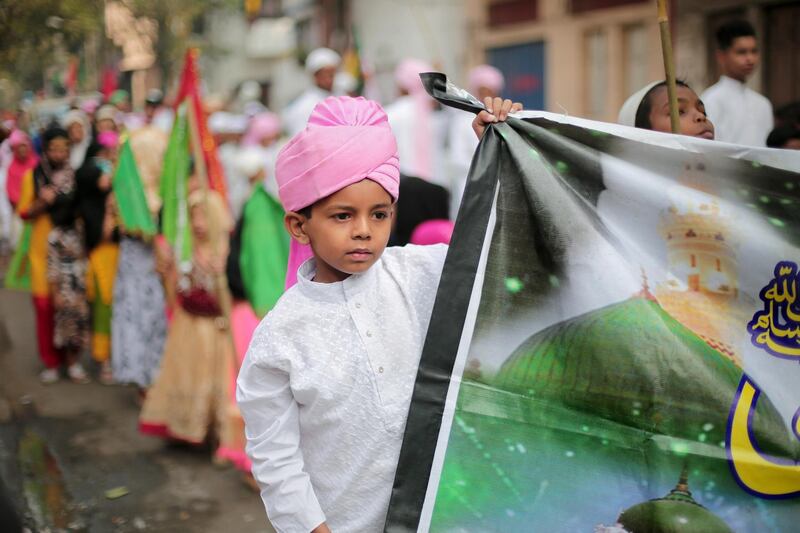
(306,211)
(781,135)
(643,112)
(730,31)
(53,133)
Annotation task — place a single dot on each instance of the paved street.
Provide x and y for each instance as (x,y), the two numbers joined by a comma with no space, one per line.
(64,446)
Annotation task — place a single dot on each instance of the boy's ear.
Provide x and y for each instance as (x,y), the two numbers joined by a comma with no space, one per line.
(293,222)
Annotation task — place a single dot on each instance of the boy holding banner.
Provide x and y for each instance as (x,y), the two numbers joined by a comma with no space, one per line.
(330,371)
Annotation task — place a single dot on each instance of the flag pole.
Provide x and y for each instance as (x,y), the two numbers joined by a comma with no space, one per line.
(669,64)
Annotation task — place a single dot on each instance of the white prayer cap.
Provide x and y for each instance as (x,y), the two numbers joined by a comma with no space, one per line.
(75,116)
(249,161)
(627,113)
(344,83)
(223,122)
(106,112)
(322,58)
(250,90)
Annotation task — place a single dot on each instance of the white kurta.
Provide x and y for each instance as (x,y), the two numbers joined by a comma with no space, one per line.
(295,116)
(406,125)
(325,389)
(740,115)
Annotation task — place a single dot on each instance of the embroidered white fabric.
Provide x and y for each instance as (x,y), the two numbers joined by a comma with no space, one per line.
(325,388)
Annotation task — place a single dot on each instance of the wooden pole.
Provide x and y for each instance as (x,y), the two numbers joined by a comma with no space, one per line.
(669,64)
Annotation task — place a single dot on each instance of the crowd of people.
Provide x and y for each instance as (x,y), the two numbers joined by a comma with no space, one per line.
(178,327)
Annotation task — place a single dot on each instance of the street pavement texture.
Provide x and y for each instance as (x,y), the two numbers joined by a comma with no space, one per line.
(71,458)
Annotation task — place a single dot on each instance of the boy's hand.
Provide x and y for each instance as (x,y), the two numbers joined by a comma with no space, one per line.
(322,528)
(497,110)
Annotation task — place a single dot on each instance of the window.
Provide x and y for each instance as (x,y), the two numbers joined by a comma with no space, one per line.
(636,51)
(504,12)
(582,6)
(597,73)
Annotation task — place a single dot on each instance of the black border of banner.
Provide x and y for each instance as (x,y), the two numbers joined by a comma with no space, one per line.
(445,329)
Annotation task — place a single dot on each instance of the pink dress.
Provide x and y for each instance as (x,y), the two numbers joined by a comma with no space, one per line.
(243,323)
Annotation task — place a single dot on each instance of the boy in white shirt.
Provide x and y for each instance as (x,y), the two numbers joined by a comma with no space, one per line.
(326,384)
(740,115)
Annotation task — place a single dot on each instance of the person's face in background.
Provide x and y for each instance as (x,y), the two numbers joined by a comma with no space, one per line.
(268,140)
(199,223)
(124,106)
(740,60)
(21,151)
(57,152)
(693,119)
(323,78)
(105,125)
(792,144)
(150,112)
(76,132)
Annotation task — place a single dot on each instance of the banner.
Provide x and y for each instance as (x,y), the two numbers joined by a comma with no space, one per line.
(134,213)
(615,342)
(174,190)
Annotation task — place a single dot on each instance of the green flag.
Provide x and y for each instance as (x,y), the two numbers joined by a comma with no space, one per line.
(265,251)
(174,177)
(18,275)
(129,192)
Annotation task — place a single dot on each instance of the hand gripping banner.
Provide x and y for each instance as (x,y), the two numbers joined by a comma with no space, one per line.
(615,345)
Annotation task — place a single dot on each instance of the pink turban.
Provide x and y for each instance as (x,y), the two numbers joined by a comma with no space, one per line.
(406,75)
(346,140)
(486,76)
(262,125)
(435,231)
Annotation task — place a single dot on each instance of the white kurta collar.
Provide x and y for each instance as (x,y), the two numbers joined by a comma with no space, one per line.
(333,292)
(733,84)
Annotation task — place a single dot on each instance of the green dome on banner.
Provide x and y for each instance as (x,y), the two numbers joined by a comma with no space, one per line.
(633,364)
(677,512)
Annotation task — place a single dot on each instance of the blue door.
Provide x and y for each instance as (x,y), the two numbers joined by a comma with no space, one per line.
(524,69)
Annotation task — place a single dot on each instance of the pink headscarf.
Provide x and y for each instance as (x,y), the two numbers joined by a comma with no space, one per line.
(266,124)
(436,231)
(18,167)
(486,76)
(346,140)
(406,75)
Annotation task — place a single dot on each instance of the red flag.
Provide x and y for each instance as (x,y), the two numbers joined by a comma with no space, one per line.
(190,89)
(108,83)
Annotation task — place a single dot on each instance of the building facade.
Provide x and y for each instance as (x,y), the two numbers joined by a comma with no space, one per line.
(579,57)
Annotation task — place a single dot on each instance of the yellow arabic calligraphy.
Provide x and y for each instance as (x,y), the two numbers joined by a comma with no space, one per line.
(755,471)
(777,328)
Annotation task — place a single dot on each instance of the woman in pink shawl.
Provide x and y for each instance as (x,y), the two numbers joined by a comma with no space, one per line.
(23,161)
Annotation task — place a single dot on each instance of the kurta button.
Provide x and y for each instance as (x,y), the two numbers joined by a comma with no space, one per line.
(358,305)
(369,334)
(380,370)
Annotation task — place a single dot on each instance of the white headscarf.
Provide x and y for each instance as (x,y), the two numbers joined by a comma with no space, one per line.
(627,113)
(322,58)
(77,152)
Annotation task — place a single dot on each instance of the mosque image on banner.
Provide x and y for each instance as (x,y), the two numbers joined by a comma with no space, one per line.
(628,360)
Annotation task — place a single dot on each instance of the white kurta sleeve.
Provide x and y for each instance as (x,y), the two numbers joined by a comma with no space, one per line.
(271,413)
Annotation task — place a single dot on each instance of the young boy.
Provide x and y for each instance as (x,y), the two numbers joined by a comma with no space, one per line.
(741,115)
(326,384)
(648,109)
